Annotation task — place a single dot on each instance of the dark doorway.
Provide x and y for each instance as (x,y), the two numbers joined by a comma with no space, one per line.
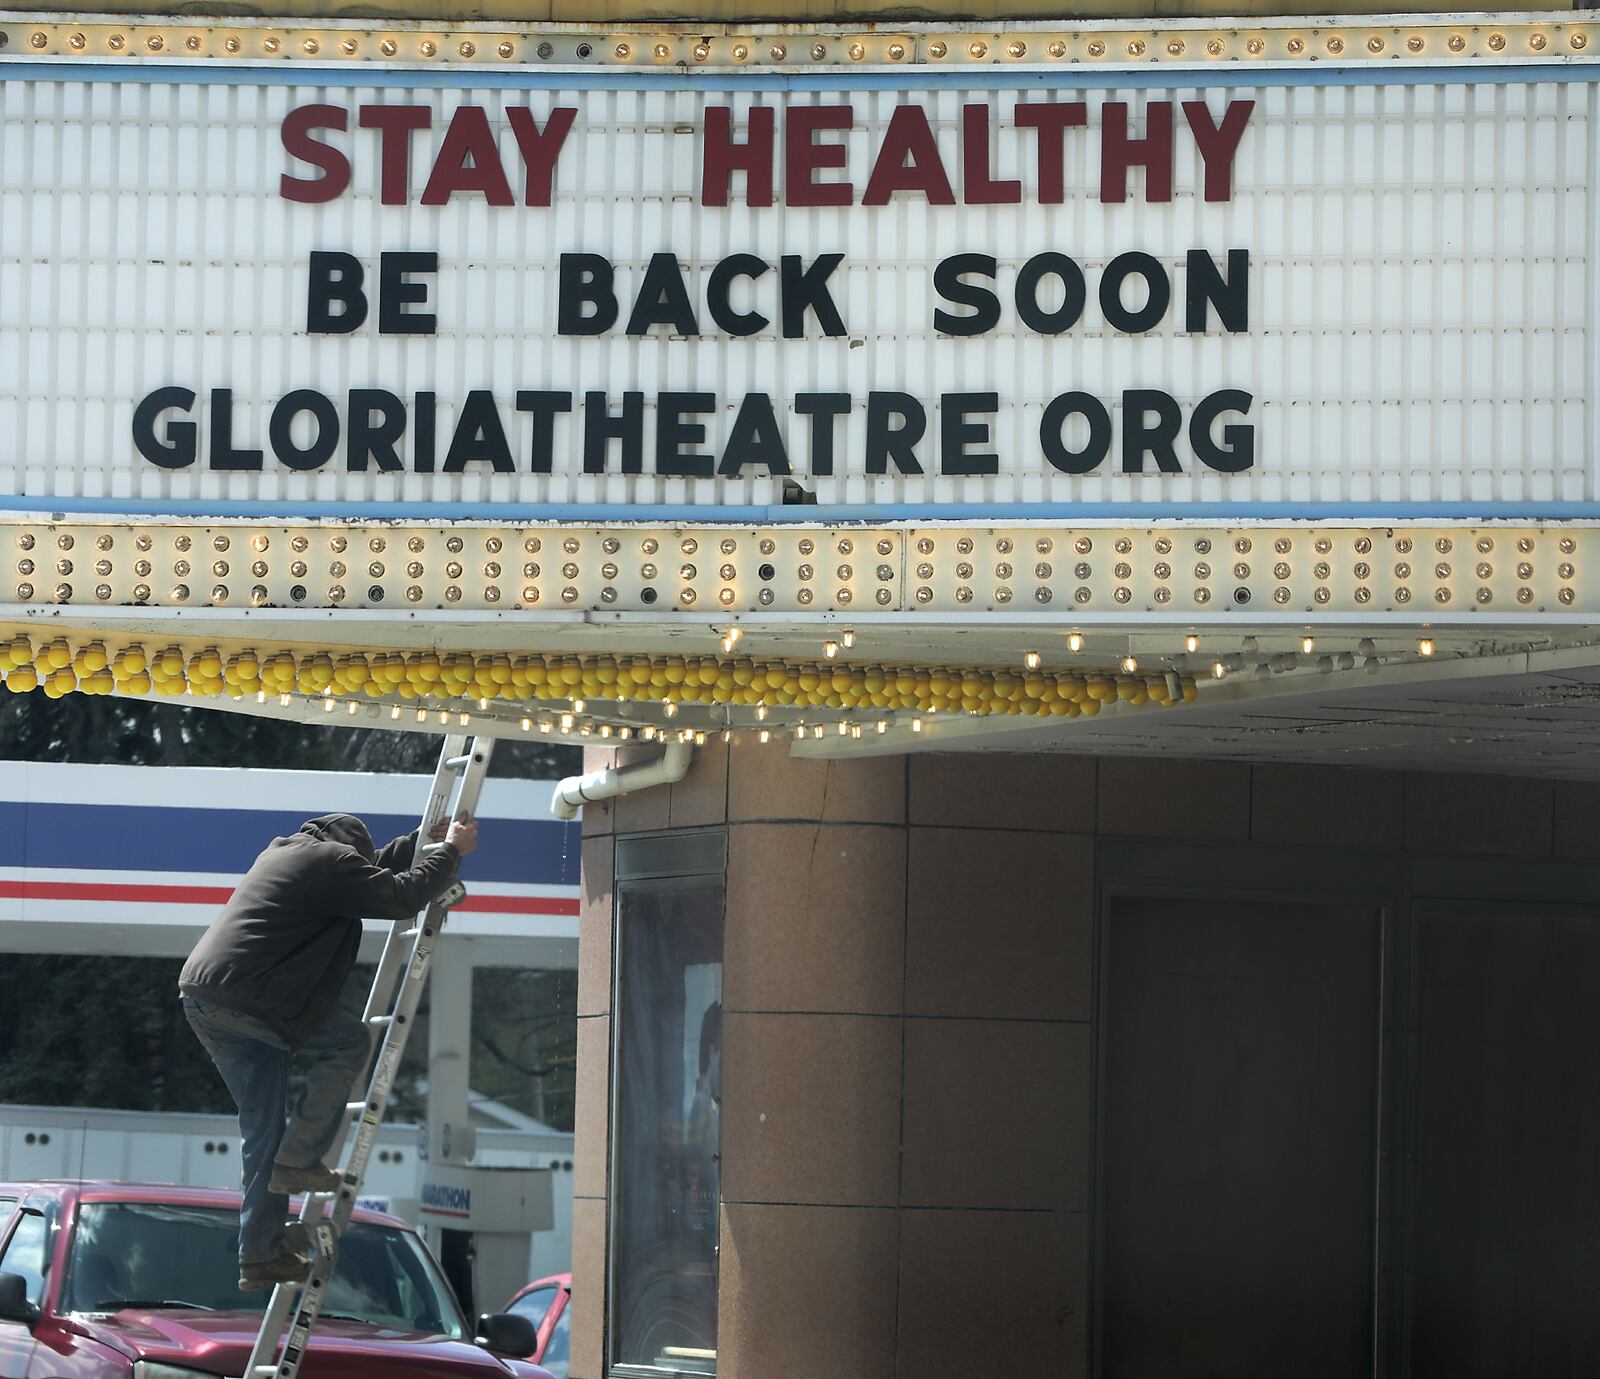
(1239,1106)
(457,1256)
(1506,1190)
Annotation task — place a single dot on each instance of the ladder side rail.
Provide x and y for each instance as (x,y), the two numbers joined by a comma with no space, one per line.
(396,951)
(284,1311)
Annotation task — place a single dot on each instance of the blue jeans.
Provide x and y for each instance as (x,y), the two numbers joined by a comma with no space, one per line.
(254,1062)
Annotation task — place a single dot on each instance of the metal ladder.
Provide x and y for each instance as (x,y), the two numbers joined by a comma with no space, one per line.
(391,1005)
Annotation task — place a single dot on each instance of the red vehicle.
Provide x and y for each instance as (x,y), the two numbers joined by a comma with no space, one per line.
(544,1302)
(117,1281)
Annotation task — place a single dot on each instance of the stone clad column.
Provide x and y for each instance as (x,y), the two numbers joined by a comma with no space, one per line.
(906,988)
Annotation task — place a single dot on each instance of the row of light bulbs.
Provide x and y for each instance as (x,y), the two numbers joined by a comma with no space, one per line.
(674,570)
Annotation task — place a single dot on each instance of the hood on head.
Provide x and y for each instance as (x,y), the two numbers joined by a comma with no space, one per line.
(341,828)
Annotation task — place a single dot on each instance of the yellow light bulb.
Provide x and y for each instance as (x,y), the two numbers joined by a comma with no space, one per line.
(1425,646)
(1130,664)
(916,725)
(1191,643)
(830,649)
(1308,645)
(1031,659)
(849,638)
(1074,641)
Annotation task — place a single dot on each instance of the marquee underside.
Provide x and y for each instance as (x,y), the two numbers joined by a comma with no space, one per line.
(840,638)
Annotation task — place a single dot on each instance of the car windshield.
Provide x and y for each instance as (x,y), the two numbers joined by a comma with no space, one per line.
(164,1255)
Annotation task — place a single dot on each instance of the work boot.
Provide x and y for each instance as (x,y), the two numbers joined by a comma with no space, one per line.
(290,1179)
(297,1241)
(267,1273)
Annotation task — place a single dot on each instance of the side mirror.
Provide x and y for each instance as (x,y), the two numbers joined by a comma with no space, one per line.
(14,1304)
(507,1332)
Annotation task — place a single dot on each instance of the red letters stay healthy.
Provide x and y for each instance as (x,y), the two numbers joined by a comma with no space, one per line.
(906,161)
(468,160)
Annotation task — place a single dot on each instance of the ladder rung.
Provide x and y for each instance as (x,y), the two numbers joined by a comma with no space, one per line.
(350,1106)
(378,1021)
(456,763)
(411,932)
(264,1371)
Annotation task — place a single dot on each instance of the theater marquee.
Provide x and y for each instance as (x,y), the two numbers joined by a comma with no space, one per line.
(1074,293)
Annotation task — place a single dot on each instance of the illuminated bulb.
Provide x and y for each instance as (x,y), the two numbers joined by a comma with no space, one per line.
(699,739)
(394,711)
(464,719)
(727,734)
(849,638)
(761,713)
(422,715)
(727,645)
(566,722)
(483,706)
(1308,645)
(1425,646)
(883,726)
(261,696)
(830,649)
(353,709)
(605,730)
(799,732)
(1218,670)
(1191,643)
(1074,642)
(1130,664)
(916,723)
(670,709)
(527,725)
(624,733)
(577,706)
(844,729)
(1031,659)
(817,730)
(327,705)
(764,736)
(444,717)
(734,634)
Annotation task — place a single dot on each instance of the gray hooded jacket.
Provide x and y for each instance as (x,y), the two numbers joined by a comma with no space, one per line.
(286,940)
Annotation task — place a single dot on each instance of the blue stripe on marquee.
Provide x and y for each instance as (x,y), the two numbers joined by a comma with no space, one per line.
(761,514)
(151,838)
(914,79)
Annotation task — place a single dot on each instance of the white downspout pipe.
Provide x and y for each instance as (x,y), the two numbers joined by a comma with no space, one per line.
(671,766)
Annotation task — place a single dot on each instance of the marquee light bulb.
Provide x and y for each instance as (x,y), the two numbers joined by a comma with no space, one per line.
(1130,664)
(830,649)
(527,725)
(761,713)
(1308,645)
(849,638)
(566,722)
(727,734)
(327,704)
(883,726)
(624,733)
(1425,646)
(1218,670)
(577,705)
(764,736)
(670,709)
(1074,641)
(1191,643)
(1031,659)
(394,711)
(916,725)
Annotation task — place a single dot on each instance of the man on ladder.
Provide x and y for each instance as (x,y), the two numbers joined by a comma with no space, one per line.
(264,982)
